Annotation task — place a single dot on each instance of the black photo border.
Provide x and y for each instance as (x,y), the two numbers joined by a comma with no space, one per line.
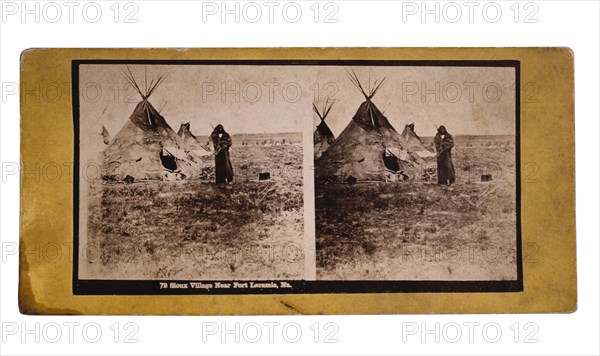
(152,287)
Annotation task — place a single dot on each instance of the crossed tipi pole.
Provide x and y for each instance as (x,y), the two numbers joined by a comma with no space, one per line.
(322,114)
(368,94)
(148,90)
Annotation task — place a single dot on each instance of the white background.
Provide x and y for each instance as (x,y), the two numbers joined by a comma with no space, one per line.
(360,23)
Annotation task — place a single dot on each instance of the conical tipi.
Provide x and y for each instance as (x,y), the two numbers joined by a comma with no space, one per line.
(190,141)
(323,137)
(147,147)
(414,144)
(369,148)
(186,135)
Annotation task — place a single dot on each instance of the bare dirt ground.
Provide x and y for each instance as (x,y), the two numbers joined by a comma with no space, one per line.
(195,229)
(419,230)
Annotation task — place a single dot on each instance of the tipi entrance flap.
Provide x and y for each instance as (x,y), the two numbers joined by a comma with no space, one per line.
(175,152)
(425,154)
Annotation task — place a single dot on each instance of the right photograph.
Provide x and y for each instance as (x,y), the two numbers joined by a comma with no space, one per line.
(416,173)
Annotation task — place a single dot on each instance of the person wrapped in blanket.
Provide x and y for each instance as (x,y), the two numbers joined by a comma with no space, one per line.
(443,145)
(221,142)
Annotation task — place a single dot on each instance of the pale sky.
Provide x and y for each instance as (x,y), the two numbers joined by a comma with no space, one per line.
(272,99)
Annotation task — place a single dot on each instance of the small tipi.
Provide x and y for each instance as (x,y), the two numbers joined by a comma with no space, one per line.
(146,147)
(186,135)
(369,148)
(414,144)
(191,142)
(323,136)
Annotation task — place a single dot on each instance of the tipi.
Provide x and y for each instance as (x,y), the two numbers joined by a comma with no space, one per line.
(186,135)
(191,142)
(369,148)
(323,137)
(146,147)
(414,144)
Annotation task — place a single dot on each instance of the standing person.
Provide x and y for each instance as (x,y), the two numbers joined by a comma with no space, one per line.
(443,145)
(221,143)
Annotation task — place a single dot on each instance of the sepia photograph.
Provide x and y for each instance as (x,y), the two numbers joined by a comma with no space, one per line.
(317,171)
(190,172)
(415,174)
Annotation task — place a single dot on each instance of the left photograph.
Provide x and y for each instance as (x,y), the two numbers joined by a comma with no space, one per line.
(189,172)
